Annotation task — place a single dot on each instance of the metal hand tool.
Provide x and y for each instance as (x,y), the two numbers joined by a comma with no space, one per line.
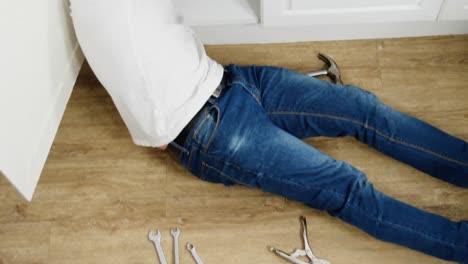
(156,239)
(307,251)
(332,70)
(195,256)
(175,234)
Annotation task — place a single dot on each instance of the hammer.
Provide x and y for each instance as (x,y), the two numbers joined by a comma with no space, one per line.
(332,70)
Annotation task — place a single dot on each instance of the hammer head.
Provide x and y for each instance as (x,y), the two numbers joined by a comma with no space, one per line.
(333,70)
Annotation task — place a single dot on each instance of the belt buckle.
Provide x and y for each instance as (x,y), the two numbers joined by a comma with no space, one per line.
(218,90)
(220,87)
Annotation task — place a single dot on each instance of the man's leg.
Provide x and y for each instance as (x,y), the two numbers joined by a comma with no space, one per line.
(306,107)
(300,172)
(238,144)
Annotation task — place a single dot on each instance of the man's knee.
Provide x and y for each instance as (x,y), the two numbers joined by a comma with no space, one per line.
(339,192)
(361,194)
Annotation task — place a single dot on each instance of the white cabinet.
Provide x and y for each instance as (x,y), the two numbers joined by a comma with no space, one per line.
(270,21)
(307,12)
(454,10)
(40,63)
(277,13)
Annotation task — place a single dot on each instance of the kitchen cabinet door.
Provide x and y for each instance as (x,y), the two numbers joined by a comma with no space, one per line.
(307,12)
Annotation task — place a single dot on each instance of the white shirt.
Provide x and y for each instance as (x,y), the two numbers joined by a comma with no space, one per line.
(154,68)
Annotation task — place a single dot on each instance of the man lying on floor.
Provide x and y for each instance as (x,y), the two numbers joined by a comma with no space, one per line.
(244,124)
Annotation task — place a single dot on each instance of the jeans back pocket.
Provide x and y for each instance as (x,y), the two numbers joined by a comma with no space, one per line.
(206,130)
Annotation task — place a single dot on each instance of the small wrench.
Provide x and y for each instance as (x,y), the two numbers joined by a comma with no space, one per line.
(195,256)
(175,234)
(156,239)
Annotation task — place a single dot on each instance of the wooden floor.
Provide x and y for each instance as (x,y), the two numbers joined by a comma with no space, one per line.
(99,194)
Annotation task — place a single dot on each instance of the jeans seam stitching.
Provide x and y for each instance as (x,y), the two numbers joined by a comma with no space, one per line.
(451,243)
(233,164)
(177,146)
(304,188)
(399,141)
(221,160)
(227,176)
(348,202)
(243,83)
(212,120)
(227,162)
(195,134)
(214,130)
(246,82)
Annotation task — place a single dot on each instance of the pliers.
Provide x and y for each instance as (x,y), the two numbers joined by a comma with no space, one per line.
(294,257)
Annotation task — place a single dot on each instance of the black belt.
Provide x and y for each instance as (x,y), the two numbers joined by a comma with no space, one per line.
(182,137)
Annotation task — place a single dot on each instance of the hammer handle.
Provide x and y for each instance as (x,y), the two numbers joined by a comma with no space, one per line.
(318,73)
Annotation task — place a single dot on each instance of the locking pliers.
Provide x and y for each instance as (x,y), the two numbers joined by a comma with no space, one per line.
(307,251)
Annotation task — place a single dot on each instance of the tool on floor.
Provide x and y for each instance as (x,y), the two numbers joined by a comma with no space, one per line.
(307,251)
(196,257)
(156,239)
(175,234)
(332,70)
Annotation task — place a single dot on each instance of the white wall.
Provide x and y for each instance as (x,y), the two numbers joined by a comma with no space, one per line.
(39,65)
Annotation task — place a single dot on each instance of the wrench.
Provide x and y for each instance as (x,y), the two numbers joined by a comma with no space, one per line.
(175,234)
(191,248)
(156,239)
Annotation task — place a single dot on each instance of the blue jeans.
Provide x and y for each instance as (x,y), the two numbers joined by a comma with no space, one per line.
(252,136)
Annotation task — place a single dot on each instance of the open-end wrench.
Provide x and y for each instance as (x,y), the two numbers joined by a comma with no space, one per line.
(156,239)
(195,256)
(175,234)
